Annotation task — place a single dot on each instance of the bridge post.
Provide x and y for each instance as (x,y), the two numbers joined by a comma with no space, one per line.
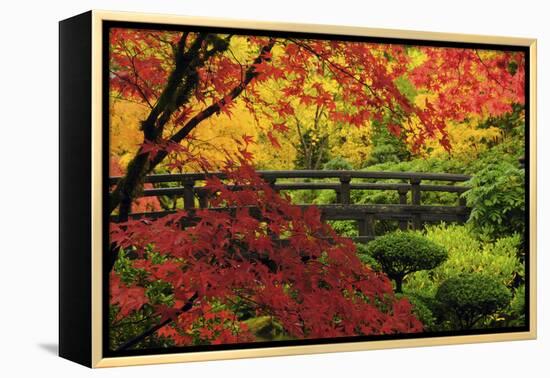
(345,195)
(189,194)
(203,198)
(366,226)
(416,200)
(272,181)
(403,201)
(462,203)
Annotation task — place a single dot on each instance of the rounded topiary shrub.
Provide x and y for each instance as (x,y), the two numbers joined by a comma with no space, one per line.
(400,253)
(366,258)
(421,310)
(470,297)
(338,164)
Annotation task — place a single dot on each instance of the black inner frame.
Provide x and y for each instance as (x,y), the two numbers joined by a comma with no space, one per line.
(107,25)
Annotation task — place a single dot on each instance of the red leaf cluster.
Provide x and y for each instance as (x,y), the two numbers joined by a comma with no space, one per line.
(255,247)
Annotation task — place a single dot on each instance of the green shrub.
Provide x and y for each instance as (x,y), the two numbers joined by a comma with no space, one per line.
(510,147)
(421,309)
(432,164)
(497,199)
(467,254)
(325,197)
(366,258)
(515,316)
(470,297)
(338,164)
(344,227)
(386,147)
(304,196)
(437,165)
(400,253)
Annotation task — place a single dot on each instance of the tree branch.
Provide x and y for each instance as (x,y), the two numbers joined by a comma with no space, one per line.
(216,107)
(489,74)
(141,164)
(136,339)
(153,125)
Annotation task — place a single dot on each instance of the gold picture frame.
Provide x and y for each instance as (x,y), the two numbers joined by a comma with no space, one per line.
(86,273)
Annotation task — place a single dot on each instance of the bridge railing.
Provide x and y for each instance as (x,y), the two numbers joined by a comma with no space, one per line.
(189,186)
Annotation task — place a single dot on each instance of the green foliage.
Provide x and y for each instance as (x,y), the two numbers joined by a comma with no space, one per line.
(123,266)
(325,197)
(516,312)
(468,254)
(435,165)
(400,253)
(338,163)
(307,196)
(470,297)
(121,330)
(344,227)
(158,293)
(265,328)
(490,243)
(421,309)
(497,199)
(406,87)
(497,196)
(509,147)
(386,146)
(366,258)
(511,124)
(242,308)
(320,197)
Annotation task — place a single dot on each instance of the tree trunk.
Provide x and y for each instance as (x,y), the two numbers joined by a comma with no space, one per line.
(399,285)
(141,164)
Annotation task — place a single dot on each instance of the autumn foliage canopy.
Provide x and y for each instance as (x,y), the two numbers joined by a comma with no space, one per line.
(355,82)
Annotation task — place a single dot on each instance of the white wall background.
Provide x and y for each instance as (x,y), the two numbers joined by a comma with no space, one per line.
(28,186)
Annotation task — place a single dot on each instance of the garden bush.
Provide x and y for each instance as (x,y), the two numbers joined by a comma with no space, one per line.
(423,309)
(472,296)
(515,316)
(345,228)
(366,258)
(400,253)
(337,164)
(386,147)
(467,254)
(437,165)
(497,199)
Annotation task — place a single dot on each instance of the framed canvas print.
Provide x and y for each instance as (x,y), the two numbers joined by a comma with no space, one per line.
(236,189)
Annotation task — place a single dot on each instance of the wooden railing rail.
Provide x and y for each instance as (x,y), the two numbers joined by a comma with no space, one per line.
(189,187)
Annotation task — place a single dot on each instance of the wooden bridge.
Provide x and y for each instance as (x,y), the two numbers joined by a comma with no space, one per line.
(409,212)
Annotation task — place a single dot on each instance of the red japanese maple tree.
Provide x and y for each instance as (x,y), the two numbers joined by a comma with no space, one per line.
(256,249)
